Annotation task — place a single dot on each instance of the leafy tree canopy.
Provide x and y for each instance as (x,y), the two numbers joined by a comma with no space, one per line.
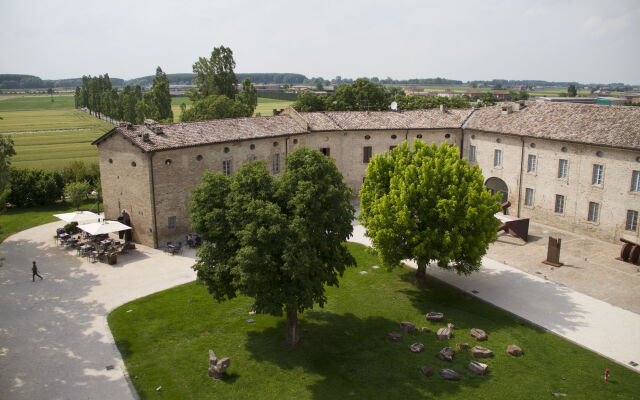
(427,204)
(278,240)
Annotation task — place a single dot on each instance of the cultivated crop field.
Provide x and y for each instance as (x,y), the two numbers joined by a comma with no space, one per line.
(49,135)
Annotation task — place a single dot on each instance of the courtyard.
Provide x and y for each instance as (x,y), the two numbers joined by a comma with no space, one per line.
(56,342)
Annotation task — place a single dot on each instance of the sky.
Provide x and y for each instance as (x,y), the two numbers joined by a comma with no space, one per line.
(560,40)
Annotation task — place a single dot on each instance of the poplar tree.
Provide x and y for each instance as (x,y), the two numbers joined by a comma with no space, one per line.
(427,204)
(161,97)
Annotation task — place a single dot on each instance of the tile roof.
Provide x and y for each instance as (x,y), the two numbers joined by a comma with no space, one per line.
(381,120)
(615,126)
(190,134)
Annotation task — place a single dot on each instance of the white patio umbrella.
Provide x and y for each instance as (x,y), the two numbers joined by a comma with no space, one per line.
(100,228)
(78,216)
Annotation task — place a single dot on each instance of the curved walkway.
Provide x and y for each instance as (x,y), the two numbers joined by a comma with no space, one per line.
(54,339)
(599,326)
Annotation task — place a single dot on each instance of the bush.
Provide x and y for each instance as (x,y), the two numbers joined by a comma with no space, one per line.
(34,187)
(71,228)
(76,192)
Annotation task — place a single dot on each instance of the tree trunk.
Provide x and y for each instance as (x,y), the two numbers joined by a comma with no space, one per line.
(421,274)
(293,336)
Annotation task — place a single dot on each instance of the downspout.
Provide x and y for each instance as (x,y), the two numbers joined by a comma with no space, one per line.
(152,191)
(521,172)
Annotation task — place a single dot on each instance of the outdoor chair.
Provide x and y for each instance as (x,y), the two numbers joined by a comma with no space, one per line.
(177,248)
(169,248)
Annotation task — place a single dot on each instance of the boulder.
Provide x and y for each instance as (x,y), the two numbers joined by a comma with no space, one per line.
(514,350)
(446,354)
(426,371)
(444,334)
(407,327)
(451,326)
(425,329)
(478,334)
(449,374)
(462,346)
(394,337)
(416,347)
(218,368)
(478,368)
(481,352)
(435,316)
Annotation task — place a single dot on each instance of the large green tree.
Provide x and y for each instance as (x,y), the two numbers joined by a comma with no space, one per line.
(275,239)
(572,91)
(427,204)
(6,151)
(215,82)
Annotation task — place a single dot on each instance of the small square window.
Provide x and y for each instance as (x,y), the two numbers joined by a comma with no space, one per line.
(594,211)
(326,151)
(559,207)
(528,197)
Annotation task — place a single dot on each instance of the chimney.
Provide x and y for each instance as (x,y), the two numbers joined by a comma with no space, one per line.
(507,109)
(443,108)
(145,137)
(519,105)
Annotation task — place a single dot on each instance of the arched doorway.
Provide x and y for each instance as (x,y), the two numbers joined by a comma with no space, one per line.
(497,185)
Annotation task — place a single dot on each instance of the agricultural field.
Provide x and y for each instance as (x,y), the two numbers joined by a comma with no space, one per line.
(265,106)
(49,135)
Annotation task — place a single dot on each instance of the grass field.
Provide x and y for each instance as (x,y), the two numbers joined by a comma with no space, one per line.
(265,106)
(49,135)
(18,219)
(40,102)
(164,339)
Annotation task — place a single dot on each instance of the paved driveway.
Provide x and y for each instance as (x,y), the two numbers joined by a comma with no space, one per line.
(54,339)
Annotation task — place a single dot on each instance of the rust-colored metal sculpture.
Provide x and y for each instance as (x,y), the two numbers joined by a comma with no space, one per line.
(505,207)
(630,252)
(518,228)
(553,252)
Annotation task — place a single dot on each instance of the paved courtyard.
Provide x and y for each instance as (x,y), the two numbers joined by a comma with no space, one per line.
(55,342)
(54,338)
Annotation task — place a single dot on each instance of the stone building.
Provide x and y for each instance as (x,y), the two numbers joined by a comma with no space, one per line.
(532,153)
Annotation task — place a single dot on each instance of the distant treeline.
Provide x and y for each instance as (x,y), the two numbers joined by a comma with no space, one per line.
(277,94)
(256,78)
(17,81)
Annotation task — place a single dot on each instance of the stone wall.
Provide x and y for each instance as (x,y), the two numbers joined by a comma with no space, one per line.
(614,195)
(125,186)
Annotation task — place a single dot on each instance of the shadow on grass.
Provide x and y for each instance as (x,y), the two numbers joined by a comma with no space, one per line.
(354,358)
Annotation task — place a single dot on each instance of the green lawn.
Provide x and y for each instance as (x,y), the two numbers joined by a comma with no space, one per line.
(164,339)
(18,219)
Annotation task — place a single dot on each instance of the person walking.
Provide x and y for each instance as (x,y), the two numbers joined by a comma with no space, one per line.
(34,269)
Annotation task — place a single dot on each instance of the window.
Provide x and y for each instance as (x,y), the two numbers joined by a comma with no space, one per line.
(531,163)
(559,204)
(635,181)
(528,197)
(172,223)
(392,147)
(226,167)
(563,168)
(632,220)
(276,163)
(366,154)
(497,158)
(596,178)
(472,154)
(594,211)
(326,151)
